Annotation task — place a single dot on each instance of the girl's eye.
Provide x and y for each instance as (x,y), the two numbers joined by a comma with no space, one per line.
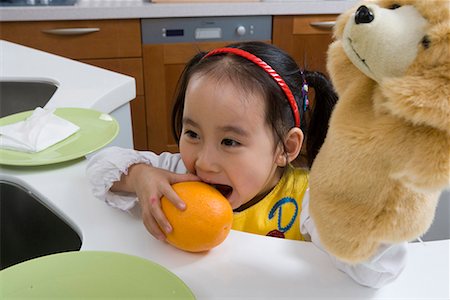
(394,6)
(191,134)
(230,143)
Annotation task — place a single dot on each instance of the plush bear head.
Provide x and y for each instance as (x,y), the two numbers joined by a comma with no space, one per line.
(382,39)
(386,157)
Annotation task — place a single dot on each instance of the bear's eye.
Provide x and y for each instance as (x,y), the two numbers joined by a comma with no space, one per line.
(426,42)
(394,6)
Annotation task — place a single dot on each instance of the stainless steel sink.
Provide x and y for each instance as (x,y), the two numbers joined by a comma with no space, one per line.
(18,96)
(29,229)
(37,2)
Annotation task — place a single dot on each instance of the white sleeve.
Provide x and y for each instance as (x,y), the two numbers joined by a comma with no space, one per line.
(384,267)
(107,166)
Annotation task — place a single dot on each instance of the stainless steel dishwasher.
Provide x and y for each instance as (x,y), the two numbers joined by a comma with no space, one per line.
(168,44)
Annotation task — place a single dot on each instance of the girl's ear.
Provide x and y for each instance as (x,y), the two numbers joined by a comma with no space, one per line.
(293,144)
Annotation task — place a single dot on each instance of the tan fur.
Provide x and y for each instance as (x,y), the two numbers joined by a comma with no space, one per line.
(386,158)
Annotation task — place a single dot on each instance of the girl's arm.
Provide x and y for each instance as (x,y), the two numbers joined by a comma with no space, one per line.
(107,166)
(385,266)
(122,177)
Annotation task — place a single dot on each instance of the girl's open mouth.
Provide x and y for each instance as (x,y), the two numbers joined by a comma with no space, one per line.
(225,190)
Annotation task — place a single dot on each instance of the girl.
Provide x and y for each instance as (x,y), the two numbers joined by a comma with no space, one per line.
(239,120)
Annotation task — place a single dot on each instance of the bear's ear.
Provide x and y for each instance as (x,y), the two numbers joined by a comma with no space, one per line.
(421,99)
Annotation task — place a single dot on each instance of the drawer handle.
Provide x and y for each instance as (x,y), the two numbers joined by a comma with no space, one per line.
(323,25)
(71,31)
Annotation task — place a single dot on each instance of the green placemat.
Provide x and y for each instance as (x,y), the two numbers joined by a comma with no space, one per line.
(91,274)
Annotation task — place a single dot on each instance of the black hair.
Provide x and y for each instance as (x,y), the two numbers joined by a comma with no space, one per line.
(251,77)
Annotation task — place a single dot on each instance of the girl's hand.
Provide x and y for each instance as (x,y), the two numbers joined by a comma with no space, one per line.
(150,184)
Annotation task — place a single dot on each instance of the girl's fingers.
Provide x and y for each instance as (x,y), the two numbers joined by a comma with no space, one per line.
(153,217)
(158,214)
(153,228)
(174,198)
(172,195)
(184,177)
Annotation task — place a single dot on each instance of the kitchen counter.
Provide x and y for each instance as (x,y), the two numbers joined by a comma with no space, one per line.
(129,9)
(79,85)
(244,266)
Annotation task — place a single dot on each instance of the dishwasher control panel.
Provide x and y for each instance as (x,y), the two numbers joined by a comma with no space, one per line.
(198,29)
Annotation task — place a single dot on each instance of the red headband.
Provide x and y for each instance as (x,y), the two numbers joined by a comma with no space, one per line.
(258,61)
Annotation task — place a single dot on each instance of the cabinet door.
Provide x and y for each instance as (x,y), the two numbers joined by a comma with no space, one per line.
(163,65)
(78,39)
(306,38)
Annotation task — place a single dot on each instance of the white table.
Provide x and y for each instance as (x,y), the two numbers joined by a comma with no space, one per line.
(244,266)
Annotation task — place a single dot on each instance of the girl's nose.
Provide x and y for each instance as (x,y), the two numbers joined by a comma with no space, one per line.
(207,161)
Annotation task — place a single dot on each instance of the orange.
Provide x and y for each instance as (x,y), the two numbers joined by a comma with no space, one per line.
(206,221)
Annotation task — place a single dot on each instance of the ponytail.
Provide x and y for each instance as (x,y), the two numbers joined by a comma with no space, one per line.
(320,113)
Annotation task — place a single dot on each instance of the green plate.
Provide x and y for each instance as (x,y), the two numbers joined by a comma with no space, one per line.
(91,275)
(96,130)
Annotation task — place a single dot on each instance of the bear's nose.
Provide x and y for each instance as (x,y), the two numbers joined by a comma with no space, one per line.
(363,15)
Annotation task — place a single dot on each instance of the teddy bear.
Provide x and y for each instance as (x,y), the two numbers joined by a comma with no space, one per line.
(386,157)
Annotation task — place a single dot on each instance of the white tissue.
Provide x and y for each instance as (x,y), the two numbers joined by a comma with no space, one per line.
(38,132)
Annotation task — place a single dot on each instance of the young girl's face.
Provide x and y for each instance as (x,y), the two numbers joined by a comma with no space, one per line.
(226,141)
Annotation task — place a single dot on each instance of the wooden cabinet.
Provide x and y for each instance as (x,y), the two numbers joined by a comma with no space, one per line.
(306,38)
(110,44)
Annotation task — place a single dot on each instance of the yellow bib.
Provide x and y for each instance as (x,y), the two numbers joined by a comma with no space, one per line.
(278,213)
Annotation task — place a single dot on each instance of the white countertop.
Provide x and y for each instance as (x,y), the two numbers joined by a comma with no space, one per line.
(124,9)
(244,266)
(79,84)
